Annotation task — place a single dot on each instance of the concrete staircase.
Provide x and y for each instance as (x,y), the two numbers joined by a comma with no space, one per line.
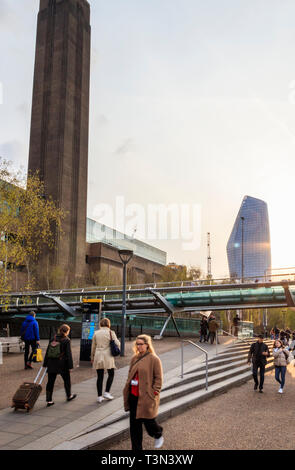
(226,370)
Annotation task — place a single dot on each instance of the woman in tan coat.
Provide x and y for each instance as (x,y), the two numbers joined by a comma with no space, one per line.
(142,392)
(102,359)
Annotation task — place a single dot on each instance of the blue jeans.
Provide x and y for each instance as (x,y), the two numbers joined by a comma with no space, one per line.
(280,370)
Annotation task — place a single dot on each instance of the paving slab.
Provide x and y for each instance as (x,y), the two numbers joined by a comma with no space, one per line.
(51,427)
(7,437)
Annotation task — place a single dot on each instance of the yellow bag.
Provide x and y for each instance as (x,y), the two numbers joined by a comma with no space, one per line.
(37,356)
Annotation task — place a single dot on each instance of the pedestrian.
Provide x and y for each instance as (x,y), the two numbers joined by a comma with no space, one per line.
(277,332)
(280,355)
(142,392)
(272,334)
(102,359)
(258,353)
(203,330)
(213,327)
(236,322)
(30,335)
(59,360)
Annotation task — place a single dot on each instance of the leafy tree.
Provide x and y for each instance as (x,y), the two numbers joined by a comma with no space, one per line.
(29,223)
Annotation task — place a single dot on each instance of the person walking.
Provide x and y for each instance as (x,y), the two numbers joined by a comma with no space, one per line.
(142,392)
(258,353)
(277,332)
(30,335)
(213,327)
(102,359)
(236,323)
(280,355)
(203,330)
(58,360)
(272,334)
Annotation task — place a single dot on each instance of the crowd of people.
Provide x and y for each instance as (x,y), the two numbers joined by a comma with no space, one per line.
(141,394)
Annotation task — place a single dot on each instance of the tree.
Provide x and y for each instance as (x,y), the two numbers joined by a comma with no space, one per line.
(29,222)
(178,273)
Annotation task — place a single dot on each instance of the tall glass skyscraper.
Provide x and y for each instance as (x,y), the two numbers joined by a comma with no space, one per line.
(250,240)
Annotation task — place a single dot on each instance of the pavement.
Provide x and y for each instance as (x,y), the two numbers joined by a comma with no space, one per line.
(52,428)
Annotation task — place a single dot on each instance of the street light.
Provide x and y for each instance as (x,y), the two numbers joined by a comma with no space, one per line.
(125,256)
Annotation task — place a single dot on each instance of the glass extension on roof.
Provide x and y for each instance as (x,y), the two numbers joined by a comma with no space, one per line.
(98,233)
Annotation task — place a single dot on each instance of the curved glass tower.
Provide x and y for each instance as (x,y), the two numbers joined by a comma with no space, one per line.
(249,242)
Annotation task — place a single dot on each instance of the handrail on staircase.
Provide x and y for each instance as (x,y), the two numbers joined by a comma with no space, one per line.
(236,337)
(201,349)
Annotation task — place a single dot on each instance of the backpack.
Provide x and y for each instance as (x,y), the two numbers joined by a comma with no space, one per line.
(54,350)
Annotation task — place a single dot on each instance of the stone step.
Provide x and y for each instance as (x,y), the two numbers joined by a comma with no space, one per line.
(99,438)
(220,362)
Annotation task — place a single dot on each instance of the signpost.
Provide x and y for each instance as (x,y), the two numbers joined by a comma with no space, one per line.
(90,323)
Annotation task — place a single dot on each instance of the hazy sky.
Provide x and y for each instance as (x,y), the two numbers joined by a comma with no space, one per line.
(192,102)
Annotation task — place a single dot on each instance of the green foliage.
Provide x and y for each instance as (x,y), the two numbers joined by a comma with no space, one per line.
(28,223)
(174,273)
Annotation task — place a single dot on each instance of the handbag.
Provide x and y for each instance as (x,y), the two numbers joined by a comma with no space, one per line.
(37,356)
(115,350)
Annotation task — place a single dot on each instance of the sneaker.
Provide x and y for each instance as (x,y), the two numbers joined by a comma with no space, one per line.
(260,390)
(255,387)
(28,366)
(100,399)
(50,403)
(159,442)
(108,396)
(280,390)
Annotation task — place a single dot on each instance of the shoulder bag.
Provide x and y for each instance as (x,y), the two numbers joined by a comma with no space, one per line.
(115,350)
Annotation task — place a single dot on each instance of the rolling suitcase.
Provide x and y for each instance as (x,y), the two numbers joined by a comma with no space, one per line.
(28,393)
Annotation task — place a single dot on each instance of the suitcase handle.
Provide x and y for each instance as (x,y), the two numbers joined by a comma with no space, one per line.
(38,375)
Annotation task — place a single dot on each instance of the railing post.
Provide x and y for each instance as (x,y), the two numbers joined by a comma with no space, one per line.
(182,359)
(206,371)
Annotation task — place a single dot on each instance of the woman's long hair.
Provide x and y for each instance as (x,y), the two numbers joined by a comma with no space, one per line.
(147,340)
(63,330)
(278,341)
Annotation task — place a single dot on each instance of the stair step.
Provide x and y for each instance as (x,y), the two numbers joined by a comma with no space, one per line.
(101,437)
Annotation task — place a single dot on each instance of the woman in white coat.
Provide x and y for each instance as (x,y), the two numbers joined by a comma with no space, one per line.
(102,359)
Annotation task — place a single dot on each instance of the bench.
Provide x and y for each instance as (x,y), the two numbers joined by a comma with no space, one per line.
(12,342)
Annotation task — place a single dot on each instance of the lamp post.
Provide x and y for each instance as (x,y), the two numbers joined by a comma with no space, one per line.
(125,256)
(242,219)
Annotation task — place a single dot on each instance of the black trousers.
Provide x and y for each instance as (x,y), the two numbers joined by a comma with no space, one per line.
(255,367)
(212,336)
(100,374)
(152,427)
(51,381)
(33,345)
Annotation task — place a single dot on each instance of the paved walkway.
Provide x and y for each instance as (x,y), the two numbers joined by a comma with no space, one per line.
(46,428)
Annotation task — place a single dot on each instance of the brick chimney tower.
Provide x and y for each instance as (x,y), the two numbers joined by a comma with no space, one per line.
(60,121)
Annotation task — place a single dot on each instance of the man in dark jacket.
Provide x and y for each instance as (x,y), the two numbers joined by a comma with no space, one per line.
(258,353)
(30,333)
(203,330)
(236,322)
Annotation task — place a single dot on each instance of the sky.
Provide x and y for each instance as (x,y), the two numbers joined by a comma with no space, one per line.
(192,104)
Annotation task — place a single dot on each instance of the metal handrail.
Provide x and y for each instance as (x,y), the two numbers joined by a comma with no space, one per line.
(201,349)
(238,339)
